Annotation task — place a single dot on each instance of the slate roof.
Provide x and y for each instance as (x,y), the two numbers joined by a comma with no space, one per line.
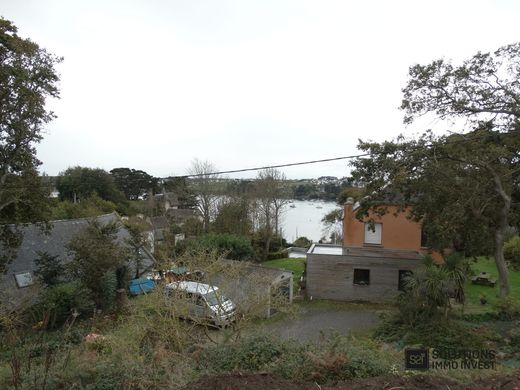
(181,215)
(168,196)
(54,243)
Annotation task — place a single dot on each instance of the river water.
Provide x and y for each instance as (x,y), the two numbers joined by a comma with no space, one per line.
(304,219)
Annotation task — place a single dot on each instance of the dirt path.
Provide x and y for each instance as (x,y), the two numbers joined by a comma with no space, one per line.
(312,322)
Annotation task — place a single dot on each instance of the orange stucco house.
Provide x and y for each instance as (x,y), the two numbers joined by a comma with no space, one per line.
(394,230)
(373,262)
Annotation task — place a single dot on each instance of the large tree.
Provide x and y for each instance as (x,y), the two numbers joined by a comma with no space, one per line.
(483,88)
(460,187)
(96,256)
(271,198)
(461,184)
(134,183)
(27,78)
(79,183)
(202,183)
(233,216)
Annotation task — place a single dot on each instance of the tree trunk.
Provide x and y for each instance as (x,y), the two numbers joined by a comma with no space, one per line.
(268,234)
(503,224)
(267,245)
(500,262)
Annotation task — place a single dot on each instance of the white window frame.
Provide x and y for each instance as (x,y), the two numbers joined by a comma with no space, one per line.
(373,237)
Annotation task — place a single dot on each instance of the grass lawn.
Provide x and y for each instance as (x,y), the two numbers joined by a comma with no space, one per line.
(474,292)
(296,265)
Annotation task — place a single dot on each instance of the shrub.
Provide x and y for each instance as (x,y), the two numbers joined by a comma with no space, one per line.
(512,251)
(252,354)
(340,357)
(508,309)
(436,333)
(283,254)
(57,303)
(50,268)
(236,247)
(514,335)
(108,285)
(303,242)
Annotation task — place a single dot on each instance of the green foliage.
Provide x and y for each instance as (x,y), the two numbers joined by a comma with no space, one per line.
(512,252)
(136,242)
(96,254)
(473,292)
(425,300)
(180,187)
(355,193)
(508,308)
(58,302)
(303,191)
(108,284)
(233,217)
(253,354)
(193,227)
(27,78)
(50,269)
(259,241)
(282,254)
(458,269)
(92,206)
(433,333)
(302,242)
(236,247)
(78,183)
(483,88)
(477,168)
(134,183)
(328,191)
(338,358)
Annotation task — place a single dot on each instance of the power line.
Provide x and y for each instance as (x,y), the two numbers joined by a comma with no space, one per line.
(271,166)
(419,147)
(466,138)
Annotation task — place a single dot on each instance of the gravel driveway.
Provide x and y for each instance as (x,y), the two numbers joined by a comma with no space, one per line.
(311,322)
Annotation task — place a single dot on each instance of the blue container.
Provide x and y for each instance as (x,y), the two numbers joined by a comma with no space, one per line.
(140,286)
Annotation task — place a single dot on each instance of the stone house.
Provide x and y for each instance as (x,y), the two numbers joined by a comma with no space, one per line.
(19,281)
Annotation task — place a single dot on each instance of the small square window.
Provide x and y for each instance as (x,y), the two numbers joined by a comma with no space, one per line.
(403,279)
(361,276)
(23,279)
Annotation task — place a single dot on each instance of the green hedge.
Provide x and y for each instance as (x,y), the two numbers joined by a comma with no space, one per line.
(236,247)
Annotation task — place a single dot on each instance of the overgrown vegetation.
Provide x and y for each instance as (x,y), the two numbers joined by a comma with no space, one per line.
(233,246)
(512,252)
(62,342)
(337,358)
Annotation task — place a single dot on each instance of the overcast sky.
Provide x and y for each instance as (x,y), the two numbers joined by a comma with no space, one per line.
(154,84)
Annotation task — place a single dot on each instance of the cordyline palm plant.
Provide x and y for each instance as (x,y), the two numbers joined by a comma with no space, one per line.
(431,286)
(458,270)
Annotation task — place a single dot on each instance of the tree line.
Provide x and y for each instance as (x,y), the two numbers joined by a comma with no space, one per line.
(463,184)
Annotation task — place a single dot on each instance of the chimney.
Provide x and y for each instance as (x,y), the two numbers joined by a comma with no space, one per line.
(348,220)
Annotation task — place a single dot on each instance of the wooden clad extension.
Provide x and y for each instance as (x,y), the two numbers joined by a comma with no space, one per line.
(331,272)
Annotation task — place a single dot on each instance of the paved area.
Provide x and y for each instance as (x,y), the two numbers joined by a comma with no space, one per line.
(312,322)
